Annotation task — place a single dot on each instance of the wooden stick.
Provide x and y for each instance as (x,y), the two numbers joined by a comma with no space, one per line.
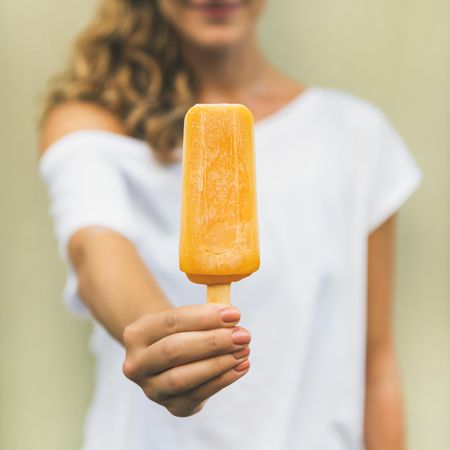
(218,293)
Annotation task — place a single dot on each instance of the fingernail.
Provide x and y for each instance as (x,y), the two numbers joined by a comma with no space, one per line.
(241,353)
(230,315)
(242,366)
(240,336)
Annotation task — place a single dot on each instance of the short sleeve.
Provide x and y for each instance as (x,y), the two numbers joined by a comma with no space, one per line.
(85,187)
(393,175)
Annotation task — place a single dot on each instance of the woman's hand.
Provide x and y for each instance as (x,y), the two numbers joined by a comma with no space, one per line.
(182,356)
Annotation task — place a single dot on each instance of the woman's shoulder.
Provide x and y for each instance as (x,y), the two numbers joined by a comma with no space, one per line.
(74,116)
(349,109)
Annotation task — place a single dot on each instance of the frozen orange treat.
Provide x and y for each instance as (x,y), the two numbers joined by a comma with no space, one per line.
(219,227)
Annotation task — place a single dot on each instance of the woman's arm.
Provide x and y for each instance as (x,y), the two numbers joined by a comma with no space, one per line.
(113,281)
(108,266)
(384,422)
(178,356)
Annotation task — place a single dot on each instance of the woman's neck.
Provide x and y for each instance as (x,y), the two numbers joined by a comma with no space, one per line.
(239,75)
(224,75)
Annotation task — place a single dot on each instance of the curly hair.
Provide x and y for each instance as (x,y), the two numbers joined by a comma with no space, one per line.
(128,61)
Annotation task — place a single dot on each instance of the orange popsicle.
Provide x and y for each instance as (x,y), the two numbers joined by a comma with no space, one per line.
(219,227)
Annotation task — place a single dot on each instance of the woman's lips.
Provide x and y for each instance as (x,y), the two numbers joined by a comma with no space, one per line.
(218,9)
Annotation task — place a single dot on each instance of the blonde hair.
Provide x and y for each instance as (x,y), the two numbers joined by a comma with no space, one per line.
(128,61)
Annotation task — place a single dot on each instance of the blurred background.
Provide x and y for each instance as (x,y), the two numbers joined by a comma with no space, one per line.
(393,53)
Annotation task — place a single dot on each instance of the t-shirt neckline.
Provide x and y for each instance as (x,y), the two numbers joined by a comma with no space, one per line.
(300,100)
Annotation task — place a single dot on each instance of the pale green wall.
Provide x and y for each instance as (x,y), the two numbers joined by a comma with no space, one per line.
(394,53)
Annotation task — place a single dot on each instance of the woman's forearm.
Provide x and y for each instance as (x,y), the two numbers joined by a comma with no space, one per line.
(113,281)
(384,418)
(384,427)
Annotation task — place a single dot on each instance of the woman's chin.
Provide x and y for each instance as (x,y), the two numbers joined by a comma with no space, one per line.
(217,38)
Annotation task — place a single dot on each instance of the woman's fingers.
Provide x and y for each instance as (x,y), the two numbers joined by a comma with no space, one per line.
(190,402)
(153,327)
(181,348)
(182,356)
(184,378)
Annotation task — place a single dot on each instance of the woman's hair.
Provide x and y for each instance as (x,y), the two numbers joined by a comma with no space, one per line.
(128,61)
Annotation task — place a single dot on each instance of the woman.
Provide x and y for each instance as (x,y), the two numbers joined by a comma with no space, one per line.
(331,175)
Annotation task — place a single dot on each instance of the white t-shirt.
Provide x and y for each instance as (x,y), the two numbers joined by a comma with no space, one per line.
(330,169)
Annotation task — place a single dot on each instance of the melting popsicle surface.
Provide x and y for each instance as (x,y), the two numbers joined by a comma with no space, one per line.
(219,229)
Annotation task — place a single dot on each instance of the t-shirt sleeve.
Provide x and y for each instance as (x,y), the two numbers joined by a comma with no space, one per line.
(86,188)
(393,175)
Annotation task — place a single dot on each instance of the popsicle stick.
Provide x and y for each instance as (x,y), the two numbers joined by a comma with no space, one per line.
(218,293)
